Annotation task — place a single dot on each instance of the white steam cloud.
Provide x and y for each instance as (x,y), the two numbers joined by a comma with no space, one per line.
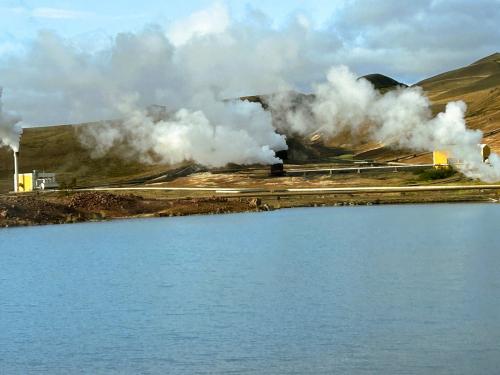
(401,119)
(235,132)
(57,82)
(10,128)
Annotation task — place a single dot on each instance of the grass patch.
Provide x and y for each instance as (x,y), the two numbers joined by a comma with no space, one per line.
(345,157)
(435,174)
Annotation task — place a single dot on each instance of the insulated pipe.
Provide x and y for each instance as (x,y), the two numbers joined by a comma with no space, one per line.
(16,172)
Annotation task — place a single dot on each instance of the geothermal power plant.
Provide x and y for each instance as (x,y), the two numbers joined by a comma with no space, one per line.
(35,180)
(163,139)
(39,181)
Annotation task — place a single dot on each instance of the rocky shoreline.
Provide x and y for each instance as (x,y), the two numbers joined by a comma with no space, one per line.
(26,210)
(77,207)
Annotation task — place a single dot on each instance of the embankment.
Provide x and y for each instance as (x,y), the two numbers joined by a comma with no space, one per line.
(73,207)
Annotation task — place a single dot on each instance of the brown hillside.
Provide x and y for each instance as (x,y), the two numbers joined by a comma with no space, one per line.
(58,149)
(478,85)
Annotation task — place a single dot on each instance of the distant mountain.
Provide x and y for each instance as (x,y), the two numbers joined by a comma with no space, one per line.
(382,82)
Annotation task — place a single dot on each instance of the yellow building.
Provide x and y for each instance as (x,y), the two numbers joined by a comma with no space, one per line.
(25,182)
(440,159)
(36,181)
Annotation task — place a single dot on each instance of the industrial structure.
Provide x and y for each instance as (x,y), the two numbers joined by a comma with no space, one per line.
(36,181)
(442,158)
(277,170)
(16,171)
(25,182)
(485,152)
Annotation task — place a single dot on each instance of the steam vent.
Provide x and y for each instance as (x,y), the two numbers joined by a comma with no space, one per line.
(277,170)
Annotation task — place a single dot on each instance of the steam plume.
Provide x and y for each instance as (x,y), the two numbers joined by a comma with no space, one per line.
(401,119)
(141,69)
(10,128)
(234,132)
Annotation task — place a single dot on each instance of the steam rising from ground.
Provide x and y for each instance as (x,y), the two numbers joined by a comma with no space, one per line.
(10,128)
(58,82)
(400,119)
(233,132)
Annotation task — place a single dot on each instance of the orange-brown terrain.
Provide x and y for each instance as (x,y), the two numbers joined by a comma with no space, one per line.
(478,85)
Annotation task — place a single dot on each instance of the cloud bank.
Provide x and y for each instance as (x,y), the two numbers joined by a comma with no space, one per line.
(412,40)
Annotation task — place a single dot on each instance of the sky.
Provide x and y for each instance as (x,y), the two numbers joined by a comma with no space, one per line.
(408,40)
(21,19)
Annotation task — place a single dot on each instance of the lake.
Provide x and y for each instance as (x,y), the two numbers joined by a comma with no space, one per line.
(356,290)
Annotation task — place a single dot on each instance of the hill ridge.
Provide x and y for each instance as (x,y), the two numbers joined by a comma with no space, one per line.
(493,57)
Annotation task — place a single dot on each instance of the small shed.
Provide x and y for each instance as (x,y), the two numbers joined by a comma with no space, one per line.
(440,159)
(36,181)
(485,151)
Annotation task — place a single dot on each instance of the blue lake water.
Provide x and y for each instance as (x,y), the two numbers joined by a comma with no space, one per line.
(361,290)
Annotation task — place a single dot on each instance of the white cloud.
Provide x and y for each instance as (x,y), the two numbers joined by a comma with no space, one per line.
(413,40)
(56,13)
(213,20)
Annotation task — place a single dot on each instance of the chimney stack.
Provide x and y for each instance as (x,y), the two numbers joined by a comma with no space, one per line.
(16,172)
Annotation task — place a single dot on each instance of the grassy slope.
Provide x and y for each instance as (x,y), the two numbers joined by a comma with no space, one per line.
(57,149)
(478,84)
